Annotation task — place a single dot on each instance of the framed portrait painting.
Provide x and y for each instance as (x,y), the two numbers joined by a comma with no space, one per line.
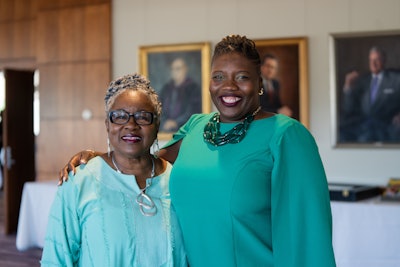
(284,68)
(180,75)
(365,86)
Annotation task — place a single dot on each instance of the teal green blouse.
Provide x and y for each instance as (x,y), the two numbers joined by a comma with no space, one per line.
(261,202)
(95,221)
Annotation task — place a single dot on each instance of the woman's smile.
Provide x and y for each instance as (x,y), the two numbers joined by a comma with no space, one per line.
(131,138)
(230,100)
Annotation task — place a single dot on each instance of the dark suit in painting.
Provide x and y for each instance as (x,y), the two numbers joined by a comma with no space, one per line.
(270,100)
(180,97)
(365,120)
(180,102)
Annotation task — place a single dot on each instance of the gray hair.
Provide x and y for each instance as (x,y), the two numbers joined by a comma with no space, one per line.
(134,82)
(380,51)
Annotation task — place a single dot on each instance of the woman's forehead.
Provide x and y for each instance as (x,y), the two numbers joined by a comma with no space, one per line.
(132,99)
(232,60)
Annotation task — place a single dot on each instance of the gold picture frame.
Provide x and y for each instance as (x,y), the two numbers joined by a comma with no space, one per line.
(164,66)
(292,75)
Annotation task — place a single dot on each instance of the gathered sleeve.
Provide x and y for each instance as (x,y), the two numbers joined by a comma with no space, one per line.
(63,236)
(301,213)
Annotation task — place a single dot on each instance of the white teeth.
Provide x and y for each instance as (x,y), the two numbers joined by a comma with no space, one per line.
(230,99)
(131,138)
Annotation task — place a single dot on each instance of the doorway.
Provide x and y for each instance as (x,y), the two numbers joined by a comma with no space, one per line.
(18,140)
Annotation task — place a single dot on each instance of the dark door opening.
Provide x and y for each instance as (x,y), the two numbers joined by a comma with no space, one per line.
(18,141)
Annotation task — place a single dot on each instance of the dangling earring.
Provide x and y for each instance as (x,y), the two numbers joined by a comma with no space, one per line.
(156,148)
(108,147)
(261,92)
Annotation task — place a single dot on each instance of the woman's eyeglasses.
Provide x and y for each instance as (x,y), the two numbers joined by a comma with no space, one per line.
(122,117)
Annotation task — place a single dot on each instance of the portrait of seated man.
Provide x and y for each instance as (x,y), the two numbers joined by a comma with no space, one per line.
(180,97)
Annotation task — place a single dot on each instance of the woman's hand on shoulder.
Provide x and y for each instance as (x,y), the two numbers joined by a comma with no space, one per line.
(79,158)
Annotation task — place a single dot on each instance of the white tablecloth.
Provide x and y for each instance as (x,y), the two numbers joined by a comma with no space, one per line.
(366,233)
(37,198)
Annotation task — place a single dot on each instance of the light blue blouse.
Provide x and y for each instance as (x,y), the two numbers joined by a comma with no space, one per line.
(95,221)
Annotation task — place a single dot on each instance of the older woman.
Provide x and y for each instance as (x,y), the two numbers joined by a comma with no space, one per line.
(248,186)
(116,211)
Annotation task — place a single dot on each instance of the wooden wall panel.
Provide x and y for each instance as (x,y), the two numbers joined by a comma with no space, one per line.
(73,55)
(69,42)
(18,39)
(74,34)
(24,39)
(25,64)
(56,4)
(5,42)
(60,139)
(67,89)
(98,32)
(17,9)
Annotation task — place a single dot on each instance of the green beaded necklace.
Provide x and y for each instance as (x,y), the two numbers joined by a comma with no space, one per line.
(213,135)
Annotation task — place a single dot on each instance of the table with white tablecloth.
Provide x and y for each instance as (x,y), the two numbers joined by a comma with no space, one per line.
(366,233)
(36,201)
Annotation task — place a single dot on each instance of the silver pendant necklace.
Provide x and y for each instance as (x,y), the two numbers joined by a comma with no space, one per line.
(146,205)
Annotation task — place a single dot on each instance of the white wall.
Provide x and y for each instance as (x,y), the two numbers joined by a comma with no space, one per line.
(148,22)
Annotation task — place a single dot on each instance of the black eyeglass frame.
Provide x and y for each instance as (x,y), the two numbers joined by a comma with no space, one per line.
(134,115)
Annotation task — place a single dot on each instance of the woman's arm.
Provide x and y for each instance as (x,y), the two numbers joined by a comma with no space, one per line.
(79,158)
(170,153)
(301,213)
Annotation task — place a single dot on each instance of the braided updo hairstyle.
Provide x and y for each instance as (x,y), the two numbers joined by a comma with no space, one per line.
(134,82)
(238,44)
